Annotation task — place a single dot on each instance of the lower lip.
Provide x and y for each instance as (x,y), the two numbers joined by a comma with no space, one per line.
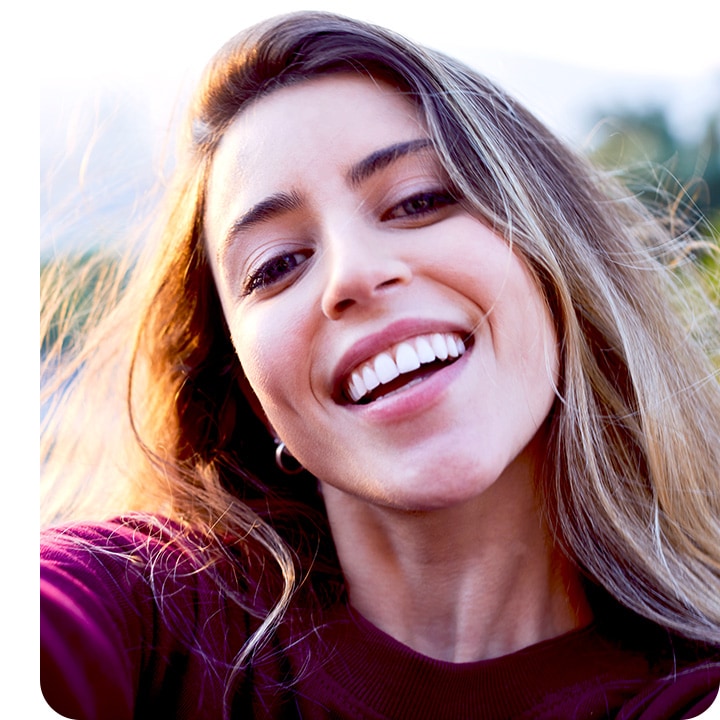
(415,398)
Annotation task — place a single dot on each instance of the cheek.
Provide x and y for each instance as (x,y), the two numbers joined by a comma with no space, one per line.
(539,356)
(525,338)
(541,371)
(270,352)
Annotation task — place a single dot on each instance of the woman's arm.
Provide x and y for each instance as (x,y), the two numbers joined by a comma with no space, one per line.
(92,623)
(134,623)
(86,662)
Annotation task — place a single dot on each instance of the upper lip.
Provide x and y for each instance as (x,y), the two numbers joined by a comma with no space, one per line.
(376,343)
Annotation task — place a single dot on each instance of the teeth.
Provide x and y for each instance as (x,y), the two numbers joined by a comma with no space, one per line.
(356,389)
(424,350)
(405,357)
(385,368)
(439,346)
(370,378)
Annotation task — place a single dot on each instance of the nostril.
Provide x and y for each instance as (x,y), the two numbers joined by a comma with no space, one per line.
(343,305)
(388,283)
(351,283)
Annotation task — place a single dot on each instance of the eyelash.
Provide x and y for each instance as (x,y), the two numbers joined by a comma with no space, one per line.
(420,205)
(416,206)
(280,265)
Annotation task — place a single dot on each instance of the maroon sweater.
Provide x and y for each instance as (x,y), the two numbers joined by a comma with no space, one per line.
(154,638)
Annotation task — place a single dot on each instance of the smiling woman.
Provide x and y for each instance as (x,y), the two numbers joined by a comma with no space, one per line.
(378,267)
(328,295)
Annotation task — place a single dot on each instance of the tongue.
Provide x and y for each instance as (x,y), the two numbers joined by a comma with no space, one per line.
(403,380)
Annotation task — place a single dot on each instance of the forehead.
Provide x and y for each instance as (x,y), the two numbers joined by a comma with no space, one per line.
(331,118)
(342,96)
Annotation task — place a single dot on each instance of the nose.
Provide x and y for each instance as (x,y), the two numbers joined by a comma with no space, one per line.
(361,273)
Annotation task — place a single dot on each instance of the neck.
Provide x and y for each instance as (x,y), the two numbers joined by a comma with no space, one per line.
(465,583)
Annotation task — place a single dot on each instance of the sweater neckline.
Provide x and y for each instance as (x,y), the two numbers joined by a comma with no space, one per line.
(390,679)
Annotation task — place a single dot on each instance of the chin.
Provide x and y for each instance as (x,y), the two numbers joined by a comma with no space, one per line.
(441,490)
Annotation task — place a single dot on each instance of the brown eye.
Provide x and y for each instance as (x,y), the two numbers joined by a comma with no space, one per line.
(421,204)
(274,270)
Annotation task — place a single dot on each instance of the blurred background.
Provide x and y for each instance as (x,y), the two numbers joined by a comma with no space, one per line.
(626,81)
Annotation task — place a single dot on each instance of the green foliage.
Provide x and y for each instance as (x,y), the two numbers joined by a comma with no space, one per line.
(710,261)
(658,163)
(664,170)
(75,289)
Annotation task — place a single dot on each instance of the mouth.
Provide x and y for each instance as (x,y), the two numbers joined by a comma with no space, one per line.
(406,363)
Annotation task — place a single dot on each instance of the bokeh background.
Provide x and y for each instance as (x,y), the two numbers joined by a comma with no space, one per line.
(628,81)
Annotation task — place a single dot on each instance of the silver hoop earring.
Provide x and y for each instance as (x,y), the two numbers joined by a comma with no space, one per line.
(285,461)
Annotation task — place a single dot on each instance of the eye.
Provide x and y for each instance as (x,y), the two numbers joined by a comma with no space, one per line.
(420,205)
(274,270)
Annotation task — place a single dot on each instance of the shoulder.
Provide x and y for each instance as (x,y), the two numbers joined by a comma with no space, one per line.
(112,564)
(655,673)
(140,557)
(136,553)
(682,680)
(636,672)
(124,536)
(685,690)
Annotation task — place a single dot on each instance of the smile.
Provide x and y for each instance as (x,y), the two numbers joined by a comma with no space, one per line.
(406,362)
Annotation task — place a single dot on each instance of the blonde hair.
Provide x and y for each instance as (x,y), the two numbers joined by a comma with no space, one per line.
(630,484)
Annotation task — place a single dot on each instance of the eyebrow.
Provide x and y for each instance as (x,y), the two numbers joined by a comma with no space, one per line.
(283,202)
(266,210)
(382,158)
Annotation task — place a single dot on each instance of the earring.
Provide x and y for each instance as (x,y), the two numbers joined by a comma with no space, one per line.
(285,461)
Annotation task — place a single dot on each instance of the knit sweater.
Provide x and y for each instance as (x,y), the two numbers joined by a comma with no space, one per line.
(131,627)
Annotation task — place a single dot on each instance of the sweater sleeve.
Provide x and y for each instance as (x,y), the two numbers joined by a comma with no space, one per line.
(135,624)
(91,625)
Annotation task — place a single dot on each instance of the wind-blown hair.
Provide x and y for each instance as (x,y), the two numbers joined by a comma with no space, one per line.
(629,486)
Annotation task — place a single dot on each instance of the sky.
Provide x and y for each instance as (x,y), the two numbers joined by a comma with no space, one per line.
(557,55)
(86,37)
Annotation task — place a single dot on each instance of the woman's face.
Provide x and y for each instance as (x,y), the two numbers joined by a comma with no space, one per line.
(394,341)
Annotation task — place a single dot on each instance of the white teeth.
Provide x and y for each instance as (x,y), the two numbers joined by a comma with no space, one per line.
(385,368)
(370,378)
(439,346)
(356,388)
(405,357)
(424,350)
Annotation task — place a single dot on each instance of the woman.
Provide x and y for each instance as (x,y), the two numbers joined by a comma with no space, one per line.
(415,425)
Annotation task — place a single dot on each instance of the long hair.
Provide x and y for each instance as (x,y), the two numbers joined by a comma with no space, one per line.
(629,486)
